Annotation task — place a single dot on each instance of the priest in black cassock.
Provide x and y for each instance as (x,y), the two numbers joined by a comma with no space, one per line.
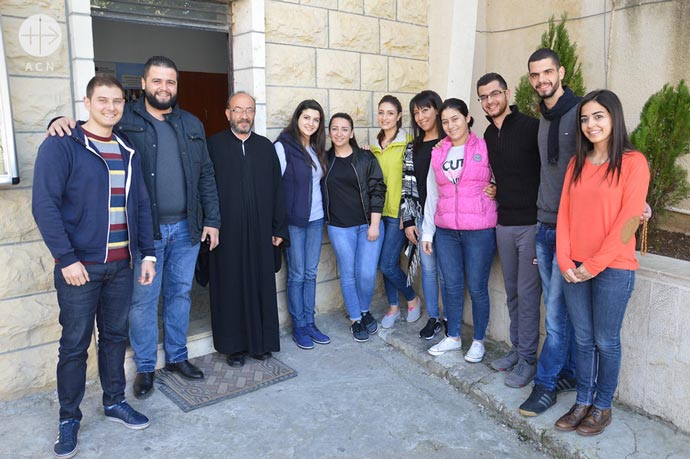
(244,310)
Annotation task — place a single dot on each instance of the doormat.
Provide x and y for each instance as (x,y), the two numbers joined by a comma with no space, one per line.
(221,381)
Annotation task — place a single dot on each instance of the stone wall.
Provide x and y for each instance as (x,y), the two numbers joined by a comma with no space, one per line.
(346,54)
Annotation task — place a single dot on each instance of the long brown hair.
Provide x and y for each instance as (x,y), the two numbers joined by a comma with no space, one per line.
(619,142)
(317,140)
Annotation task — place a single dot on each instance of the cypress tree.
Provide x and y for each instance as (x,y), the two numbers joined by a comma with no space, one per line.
(663,135)
(556,38)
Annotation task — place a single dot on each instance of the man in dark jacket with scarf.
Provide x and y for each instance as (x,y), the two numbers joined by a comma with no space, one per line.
(558,106)
(92,209)
(184,204)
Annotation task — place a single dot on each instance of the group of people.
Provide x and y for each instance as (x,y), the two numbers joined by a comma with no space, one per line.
(137,187)
(560,198)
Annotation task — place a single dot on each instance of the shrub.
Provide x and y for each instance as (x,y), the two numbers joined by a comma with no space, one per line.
(663,135)
(556,38)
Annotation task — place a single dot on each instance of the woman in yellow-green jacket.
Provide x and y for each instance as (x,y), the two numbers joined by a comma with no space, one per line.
(389,150)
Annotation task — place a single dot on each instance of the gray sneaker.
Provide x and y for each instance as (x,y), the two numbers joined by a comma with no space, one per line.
(522,374)
(506,362)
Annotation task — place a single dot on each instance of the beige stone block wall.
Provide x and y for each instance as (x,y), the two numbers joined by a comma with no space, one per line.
(374,72)
(353,32)
(299,71)
(337,69)
(363,49)
(27,268)
(20,228)
(351,6)
(414,11)
(298,25)
(29,321)
(402,40)
(380,8)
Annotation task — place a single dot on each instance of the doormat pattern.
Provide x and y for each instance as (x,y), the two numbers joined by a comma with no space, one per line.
(221,381)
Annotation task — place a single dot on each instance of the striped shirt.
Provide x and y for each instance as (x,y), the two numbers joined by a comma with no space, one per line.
(118,242)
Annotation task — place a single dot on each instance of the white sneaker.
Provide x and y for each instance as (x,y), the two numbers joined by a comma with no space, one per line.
(446,344)
(476,352)
(389,319)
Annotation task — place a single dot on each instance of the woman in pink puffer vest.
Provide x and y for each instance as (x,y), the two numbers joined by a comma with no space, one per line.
(463,222)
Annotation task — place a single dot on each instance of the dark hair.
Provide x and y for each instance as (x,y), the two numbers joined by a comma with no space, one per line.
(159,61)
(458,105)
(424,99)
(489,77)
(348,118)
(619,142)
(101,79)
(544,53)
(317,140)
(391,100)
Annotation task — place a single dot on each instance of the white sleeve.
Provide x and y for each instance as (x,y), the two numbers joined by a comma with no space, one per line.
(280,151)
(428,226)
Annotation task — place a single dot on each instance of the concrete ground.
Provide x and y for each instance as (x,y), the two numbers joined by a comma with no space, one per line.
(350,400)
(383,399)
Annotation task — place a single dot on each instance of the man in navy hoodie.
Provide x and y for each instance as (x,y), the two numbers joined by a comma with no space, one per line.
(92,209)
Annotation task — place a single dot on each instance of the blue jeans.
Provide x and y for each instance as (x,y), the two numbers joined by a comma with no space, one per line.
(466,255)
(302,260)
(557,356)
(106,297)
(431,278)
(357,259)
(176,258)
(394,279)
(597,308)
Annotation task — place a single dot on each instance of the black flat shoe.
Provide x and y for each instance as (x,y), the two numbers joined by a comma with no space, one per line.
(143,385)
(185,369)
(264,356)
(236,360)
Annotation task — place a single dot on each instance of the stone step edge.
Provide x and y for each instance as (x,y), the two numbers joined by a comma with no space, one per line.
(470,383)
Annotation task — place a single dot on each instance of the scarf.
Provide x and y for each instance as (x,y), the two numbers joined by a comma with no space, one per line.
(410,209)
(563,105)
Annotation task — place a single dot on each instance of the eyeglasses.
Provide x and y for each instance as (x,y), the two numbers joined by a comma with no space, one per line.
(239,110)
(491,95)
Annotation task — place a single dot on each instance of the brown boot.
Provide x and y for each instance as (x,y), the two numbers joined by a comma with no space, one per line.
(570,420)
(595,422)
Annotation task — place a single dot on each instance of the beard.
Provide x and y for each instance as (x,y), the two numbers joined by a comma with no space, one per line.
(554,88)
(151,98)
(235,126)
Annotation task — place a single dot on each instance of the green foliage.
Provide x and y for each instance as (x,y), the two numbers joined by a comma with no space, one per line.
(663,135)
(556,38)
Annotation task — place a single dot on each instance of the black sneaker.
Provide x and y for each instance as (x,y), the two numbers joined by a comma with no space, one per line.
(445,326)
(432,327)
(566,384)
(359,333)
(370,323)
(66,443)
(538,401)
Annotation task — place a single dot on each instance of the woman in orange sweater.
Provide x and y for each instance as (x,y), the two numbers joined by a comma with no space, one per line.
(603,197)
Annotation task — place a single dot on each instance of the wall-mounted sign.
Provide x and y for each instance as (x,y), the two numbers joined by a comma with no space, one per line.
(9,172)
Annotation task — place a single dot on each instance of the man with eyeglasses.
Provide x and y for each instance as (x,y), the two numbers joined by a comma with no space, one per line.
(511,140)
(180,181)
(244,310)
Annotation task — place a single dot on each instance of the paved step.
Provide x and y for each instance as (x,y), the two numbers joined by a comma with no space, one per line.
(630,436)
